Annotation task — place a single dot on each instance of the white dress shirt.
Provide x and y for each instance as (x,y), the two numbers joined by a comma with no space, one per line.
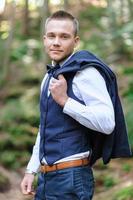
(97,113)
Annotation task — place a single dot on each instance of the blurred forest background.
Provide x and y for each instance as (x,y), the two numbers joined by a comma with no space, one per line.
(106,29)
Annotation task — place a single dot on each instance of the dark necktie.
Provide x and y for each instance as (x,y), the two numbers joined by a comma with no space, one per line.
(51,67)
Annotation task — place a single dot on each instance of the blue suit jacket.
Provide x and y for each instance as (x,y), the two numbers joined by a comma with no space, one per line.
(116,144)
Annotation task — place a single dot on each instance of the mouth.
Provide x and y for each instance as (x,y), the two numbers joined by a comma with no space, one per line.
(56,50)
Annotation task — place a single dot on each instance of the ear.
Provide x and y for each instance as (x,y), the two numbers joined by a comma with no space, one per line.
(77,40)
(44,38)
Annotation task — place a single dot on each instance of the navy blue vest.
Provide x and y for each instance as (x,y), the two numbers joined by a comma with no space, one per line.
(63,136)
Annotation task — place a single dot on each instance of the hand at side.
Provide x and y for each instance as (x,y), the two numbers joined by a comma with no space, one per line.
(26,184)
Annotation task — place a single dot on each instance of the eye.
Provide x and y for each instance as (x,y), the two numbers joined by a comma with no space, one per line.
(50,36)
(65,36)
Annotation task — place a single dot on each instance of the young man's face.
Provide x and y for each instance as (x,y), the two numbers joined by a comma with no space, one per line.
(59,39)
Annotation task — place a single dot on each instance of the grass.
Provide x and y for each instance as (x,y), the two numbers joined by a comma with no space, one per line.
(124,194)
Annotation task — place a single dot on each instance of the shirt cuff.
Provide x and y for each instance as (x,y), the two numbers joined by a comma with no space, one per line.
(28,171)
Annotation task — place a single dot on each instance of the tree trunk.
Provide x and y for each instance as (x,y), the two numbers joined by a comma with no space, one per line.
(111,15)
(44,14)
(66,5)
(122,11)
(130,5)
(8,44)
(26,23)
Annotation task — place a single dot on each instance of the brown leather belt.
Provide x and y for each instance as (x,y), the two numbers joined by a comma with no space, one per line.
(63,165)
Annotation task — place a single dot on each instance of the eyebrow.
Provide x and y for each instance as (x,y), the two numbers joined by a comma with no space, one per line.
(62,33)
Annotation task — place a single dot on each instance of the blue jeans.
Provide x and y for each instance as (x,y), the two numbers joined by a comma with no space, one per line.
(75,183)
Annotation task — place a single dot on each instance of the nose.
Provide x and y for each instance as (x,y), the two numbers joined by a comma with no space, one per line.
(56,41)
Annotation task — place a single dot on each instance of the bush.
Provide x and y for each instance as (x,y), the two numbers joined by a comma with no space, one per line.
(19,111)
(109,181)
(129,120)
(14,159)
(127,167)
(124,194)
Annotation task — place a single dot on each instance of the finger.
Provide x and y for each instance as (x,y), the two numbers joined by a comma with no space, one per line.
(54,80)
(61,77)
(54,85)
(27,191)
(32,193)
(24,191)
(29,188)
(24,188)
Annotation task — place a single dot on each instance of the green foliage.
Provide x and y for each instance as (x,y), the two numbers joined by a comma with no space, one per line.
(19,119)
(92,16)
(19,122)
(128,70)
(26,49)
(92,31)
(129,120)
(100,166)
(35,181)
(18,142)
(128,94)
(127,167)
(102,28)
(94,43)
(104,179)
(27,112)
(124,194)
(109,181)
(4,183)
(19,52)
(30,81)
(1,51)
(14,159)
(123,40)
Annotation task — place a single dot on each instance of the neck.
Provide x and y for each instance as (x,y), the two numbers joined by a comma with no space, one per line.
(62,62)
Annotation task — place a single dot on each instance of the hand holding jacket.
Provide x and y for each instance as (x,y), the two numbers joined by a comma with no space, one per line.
(58,89)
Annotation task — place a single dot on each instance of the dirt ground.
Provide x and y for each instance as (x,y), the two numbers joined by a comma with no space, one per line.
(14,193)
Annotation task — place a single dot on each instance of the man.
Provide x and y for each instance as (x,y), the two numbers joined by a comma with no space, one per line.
(78,124)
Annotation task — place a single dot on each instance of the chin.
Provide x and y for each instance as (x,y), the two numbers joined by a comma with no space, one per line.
(56,59)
